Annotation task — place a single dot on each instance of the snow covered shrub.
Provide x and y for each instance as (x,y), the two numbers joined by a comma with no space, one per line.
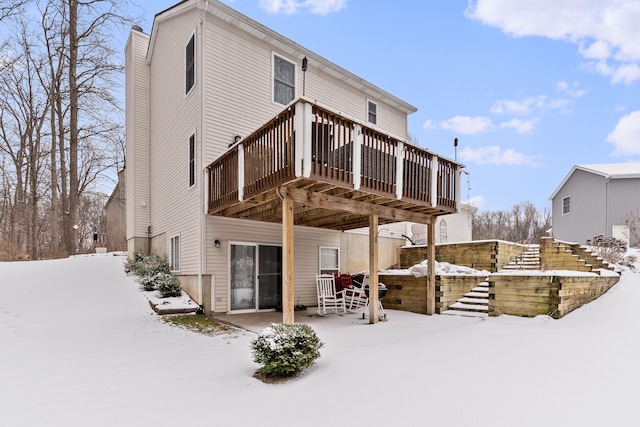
(144,264)
(284,350)
(167,285)
(147,283)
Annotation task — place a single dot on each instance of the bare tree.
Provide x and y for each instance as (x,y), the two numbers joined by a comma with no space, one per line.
(59,137)
(523,223)
(632,220)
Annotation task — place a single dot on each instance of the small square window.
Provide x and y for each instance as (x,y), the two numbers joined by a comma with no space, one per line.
(192,160)
(566,205)
(190,64)
(329,260)
(284,77)
(372,109)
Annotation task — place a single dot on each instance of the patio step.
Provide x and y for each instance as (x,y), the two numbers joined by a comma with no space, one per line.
(473,304)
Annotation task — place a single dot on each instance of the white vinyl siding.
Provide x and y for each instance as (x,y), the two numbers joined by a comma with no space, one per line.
(137,147)
(174,118)
(240,98)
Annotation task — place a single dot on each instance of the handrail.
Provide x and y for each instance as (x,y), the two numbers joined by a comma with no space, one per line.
(386,165)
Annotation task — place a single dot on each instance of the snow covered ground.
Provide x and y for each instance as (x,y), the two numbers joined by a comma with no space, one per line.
(80,345)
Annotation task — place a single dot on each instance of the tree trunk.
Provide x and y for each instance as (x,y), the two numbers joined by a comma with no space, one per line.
(73,125)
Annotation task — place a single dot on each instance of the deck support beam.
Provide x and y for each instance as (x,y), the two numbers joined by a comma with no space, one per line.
(431,266)
(373,268)
(287,262)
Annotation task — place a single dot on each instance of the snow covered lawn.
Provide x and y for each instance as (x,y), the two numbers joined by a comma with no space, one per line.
(80,345)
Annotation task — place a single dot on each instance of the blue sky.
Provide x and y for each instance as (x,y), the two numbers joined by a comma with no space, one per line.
(529,88)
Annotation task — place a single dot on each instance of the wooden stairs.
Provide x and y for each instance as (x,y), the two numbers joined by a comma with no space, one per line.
(528,260)
(472,304)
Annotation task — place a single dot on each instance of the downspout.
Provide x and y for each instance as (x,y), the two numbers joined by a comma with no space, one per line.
(202,252)
(606,208)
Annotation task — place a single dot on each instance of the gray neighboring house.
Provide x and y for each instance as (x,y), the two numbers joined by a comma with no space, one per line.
(596,199)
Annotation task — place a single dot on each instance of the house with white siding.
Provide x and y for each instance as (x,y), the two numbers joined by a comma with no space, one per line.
(596,199)
(229,167)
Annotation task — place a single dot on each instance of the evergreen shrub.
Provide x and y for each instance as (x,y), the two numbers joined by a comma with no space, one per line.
(284,350)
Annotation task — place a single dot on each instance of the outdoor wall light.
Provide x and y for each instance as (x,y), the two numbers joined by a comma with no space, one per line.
(216,243)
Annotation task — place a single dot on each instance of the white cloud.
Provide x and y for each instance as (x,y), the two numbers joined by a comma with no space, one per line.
(626,136)
(626,74)
(599,50)
(530,105)
(496,155)
(428,125)
(289,7)
(521,126)
(521,107)
(468,125)
(476,201)
(603,30)
(573,91)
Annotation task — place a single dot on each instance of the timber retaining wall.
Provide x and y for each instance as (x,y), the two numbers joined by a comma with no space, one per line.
(544,294)
(490,255)
(409,293)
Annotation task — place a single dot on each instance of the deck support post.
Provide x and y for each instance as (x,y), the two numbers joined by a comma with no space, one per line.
(373,268)
(287,262)
(431,266)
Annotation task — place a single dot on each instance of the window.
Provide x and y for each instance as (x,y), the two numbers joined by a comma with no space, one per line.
(329,260)
(566,205)
(284,73)
(174,254)
(372,112)
(192,160)
(190,64)
(443,231)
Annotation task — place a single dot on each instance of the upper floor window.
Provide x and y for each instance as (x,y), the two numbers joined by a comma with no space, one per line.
(192,160)
(372,112)
(566,205)
(190,64)
(284,77)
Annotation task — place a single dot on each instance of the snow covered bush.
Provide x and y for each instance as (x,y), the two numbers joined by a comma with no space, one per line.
(144,264)
(167,285)
(147,283)
(284,350)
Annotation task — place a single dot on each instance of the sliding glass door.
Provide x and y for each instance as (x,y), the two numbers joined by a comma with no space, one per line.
(255,277)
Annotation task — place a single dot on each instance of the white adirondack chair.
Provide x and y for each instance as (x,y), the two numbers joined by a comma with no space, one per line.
(328,298)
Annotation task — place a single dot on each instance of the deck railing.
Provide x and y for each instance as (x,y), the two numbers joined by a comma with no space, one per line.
(307,140)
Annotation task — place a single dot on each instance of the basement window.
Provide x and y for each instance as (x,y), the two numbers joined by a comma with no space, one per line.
(329,260)
(174,254)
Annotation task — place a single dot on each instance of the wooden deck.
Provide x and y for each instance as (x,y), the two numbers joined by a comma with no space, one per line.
(337,171)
